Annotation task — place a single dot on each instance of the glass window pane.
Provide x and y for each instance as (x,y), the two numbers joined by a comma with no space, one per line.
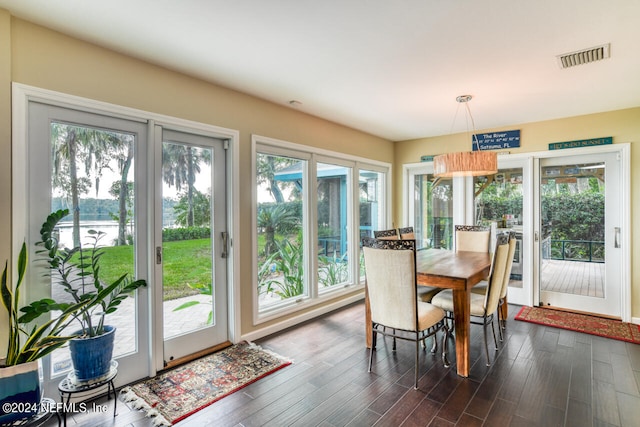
(280,186)
(333,183)
(92,176)
(371,188)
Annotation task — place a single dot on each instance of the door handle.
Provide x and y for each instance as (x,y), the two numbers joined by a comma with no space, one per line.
(225,244)
(616,237)
(158,254)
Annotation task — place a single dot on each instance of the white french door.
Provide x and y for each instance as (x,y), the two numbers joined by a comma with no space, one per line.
(579,228)
(513,182)
(192,242)
(81,158)
(79,161)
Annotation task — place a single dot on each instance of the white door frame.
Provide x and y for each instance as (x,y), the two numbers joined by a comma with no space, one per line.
(530,292)
(22,95)
(623,150)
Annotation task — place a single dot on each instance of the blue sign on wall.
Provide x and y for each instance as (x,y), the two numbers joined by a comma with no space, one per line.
(496,140)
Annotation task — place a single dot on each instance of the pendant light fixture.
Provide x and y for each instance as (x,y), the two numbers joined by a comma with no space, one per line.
(466,163)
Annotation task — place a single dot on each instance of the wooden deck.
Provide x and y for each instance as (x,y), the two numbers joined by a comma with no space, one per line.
(573,277)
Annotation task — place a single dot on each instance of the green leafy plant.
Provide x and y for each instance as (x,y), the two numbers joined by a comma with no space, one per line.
(30,342)
(77,270)
(203,289)
(333,270)
(288,263)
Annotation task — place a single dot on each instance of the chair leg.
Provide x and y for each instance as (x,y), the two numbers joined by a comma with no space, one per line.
(372,349)
(417,367)
(445,360)
(493,331)
(486,345)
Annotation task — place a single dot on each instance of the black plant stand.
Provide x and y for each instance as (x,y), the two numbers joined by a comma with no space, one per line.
(68,387)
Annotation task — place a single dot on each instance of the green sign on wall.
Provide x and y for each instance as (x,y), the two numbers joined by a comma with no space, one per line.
(581,143)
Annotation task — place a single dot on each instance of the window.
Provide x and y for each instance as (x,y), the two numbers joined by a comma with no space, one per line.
(311,209)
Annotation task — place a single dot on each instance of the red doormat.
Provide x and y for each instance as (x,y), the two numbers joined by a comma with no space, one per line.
(593,325)
(176,394)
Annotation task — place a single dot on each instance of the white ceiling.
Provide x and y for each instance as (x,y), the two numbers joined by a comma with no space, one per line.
(390,68)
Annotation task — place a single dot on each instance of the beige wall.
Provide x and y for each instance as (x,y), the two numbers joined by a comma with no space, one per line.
(622,125)
(5,149)
(46,59)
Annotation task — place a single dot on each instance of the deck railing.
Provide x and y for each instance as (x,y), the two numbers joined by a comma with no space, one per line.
(577,250)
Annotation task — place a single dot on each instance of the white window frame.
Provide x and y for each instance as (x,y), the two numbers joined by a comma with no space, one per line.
(313,155)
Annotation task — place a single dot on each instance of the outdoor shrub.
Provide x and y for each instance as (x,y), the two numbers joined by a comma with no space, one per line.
(185,233)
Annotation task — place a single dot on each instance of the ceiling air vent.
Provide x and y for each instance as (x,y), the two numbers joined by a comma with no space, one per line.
(584,56)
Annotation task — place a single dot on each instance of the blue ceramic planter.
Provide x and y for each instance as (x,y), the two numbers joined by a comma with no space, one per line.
(91,357)
(19,392)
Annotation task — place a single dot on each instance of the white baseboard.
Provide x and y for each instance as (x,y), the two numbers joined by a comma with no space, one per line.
(635,320)
(308,315)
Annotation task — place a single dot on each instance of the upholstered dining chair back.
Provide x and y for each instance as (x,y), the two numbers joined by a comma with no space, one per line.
(391,282)
(497,278)
(391,234)
(474,238)
(406,233)
(390,271)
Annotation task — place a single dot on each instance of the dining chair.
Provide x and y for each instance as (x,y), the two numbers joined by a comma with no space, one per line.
(390,271)
(391,234)
(473,238)
(481,288)
(406,233)
(425,292)
(483,307)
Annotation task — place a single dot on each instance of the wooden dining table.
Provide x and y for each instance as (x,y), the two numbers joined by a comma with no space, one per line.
(458,271)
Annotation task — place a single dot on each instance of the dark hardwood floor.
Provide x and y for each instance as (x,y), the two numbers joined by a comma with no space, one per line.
(540,376)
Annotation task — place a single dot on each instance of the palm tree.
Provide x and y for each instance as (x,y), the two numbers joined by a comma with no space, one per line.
(74,146)
(267,166)
(273,219)
(180,164)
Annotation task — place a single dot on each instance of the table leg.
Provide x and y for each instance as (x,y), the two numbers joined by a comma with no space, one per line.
(462,321)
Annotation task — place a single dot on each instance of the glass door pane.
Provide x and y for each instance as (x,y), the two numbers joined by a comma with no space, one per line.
(499,199)
(580,263)
(193,243)
(433,212)
(93,171)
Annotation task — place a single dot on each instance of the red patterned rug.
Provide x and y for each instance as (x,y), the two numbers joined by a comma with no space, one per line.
(593,325)
(176,394)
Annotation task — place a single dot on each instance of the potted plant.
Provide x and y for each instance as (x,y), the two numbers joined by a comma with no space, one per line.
(77,270)
(27,343)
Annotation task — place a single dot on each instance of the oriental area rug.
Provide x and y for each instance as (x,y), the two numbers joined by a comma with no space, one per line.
(608,328)
(176,394)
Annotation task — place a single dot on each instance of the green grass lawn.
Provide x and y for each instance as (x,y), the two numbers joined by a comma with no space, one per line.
(184,262)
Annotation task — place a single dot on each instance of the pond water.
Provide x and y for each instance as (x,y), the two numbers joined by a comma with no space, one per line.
(110,228)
